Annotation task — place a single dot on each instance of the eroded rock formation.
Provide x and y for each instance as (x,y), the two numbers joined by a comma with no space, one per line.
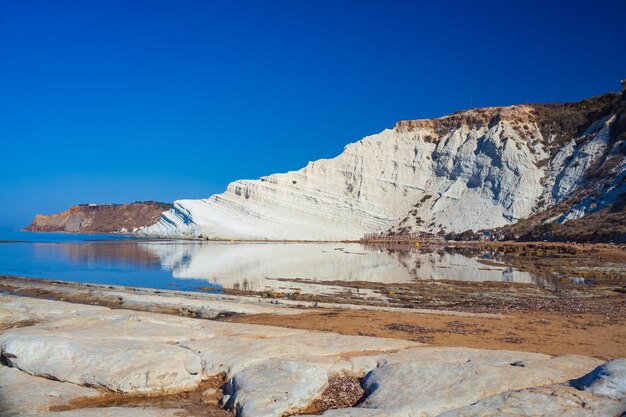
(103,218)
(70,355)
(475,169)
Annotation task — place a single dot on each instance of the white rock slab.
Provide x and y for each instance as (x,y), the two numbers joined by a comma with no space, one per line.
(232,354)
(276,387)
(553,401)
(118,365)
(203,305)
(607,380)
(11,318)
(428,381)
(40,309)
(274,371)
(22,394)
(200,305)
(143,353)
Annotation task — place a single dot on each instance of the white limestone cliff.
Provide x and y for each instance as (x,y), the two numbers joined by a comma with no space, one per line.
(476,169)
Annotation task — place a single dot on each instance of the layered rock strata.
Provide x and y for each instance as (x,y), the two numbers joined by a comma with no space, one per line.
(475,169)
(101,218)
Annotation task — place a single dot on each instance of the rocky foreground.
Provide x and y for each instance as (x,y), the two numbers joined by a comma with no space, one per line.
(101,218)
(65,359)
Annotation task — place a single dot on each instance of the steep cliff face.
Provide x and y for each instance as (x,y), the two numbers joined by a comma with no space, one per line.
(475,169)
(107,218)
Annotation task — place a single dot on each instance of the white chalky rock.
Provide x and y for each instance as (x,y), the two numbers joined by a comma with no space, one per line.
(607,380)
(22,394)
(10,318)
(151,354)
(276,387)
(232,354)
(477,169)
(30,308)
(552,401)
(199,305)
(428,381)
(117,365)
(273,371)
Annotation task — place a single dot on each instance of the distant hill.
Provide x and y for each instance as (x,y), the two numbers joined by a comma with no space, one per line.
(104,218)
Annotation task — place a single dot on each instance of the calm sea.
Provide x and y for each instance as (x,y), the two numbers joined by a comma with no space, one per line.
(194,265)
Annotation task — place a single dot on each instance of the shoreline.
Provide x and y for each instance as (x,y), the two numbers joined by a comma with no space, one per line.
(166,353)
(189,351)
(595,326)
(399,241)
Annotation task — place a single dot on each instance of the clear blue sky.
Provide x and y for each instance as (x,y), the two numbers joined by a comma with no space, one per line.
(115,101)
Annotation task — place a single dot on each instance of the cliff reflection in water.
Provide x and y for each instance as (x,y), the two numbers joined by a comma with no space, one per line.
(283,267)
(274,266)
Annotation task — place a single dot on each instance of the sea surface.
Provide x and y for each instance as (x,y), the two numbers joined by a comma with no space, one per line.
(201,266)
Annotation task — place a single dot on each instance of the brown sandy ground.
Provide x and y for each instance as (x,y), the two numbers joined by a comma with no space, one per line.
(595,334)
